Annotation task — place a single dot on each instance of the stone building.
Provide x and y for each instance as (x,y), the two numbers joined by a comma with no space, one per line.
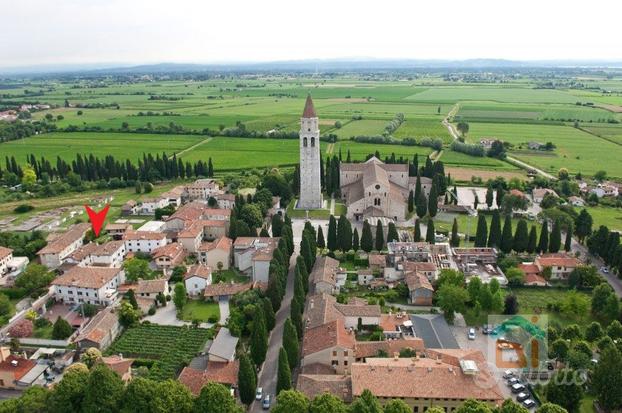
(310,187)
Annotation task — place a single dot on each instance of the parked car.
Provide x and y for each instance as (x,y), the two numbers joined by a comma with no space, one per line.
(517,388)
(508,374)
(520,397)
(486,329)
(604,270)
(471,334)
(259,393)
(529,403)
(512,381)
(266,402)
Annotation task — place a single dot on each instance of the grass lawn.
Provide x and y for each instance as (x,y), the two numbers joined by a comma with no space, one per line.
(587,404)
(200,310)
(45,332)
(230,275)
(292,212)
(608,216)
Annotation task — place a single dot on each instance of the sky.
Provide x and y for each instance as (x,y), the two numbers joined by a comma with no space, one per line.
(57,32)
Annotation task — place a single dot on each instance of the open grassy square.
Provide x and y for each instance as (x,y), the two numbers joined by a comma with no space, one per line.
(200,310)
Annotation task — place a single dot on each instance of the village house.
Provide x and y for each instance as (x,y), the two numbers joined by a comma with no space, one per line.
(605,189)
(100,332)
(174,196)
(427,269)
(329,345)
(129,208)
(152,226)
(253,255)
(93,285)
(532,273)
(53,254)
(222,373)
(81,256)
(420,290)
(217,253)
(223,347)
(109,254)
(116,231)
(152,288)
(377,262)
(169,256)
(224,290)
(120,365)
(313,385)
(225,201)
(355,315)
(365,276)
(561,264)
(538,194)
(13,369)
(6,255)
(143,241)
(197,278)
(323,275)
(191,237)
(149,206)
(376,189)
(185,216)
(576,201)
(444,378)
(201,189)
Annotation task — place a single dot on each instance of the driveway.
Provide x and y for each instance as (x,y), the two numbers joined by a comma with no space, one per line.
(167,316)
(223,305)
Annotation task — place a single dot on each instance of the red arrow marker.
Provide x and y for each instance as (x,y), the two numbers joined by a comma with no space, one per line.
(97,218)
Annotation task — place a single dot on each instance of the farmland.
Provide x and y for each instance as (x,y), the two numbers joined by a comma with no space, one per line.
(169,347)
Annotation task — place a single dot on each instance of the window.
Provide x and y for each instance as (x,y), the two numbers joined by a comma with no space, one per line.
(377,186)
(334,363)
(345,362)
(345,353)
(304,141)
(312,142)
(334,353)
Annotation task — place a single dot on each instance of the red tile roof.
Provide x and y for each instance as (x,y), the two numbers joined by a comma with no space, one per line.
(332,334)
(5,252)
(199,270)
(87,277)
(557,260)
(19,370)
(223,373)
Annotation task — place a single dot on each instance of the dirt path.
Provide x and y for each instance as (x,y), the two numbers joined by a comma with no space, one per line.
(527,166)
(204,141)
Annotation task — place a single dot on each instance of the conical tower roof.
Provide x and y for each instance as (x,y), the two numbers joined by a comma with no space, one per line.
(309,111)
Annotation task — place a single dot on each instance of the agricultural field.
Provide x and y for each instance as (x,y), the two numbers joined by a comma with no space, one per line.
(576,150)
(168,347)
(610,132)
(607,216)
(495,94)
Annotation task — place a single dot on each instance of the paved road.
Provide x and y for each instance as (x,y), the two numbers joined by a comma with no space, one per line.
(528,166)
(268,373)
(611,278)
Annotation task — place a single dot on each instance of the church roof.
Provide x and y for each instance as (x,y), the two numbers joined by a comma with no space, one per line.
(309,111)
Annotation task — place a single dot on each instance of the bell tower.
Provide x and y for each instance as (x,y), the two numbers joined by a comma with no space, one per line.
(309,142)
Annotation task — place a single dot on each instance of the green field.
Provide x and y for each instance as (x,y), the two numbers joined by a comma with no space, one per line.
(496,94)
(610,217)
(200,310)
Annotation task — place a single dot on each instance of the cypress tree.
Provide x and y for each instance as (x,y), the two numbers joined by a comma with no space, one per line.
(506,236)
(305,251)
(344,234)
(299,291)
(417,234)
(489,197)
(320,238)
(433,200)
(495,229)
(247,380)
(290,343)
(417,187)
(543,245)
(481,233)
(521,236)
(269,314)
(131,297)
(430,235)
(332,234)
(476,202)
(411,201)
(500,194)
(555,241)
(355,240)
(392,234)
(421,205)
(568,242)
(533,240)
(379,236)
(455,238)
(284,375)
(296,315)
(259,339)
(367,242)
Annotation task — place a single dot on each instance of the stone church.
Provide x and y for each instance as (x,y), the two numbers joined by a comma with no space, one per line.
(310,184)
(375,189)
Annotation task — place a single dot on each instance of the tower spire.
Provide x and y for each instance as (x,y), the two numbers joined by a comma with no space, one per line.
(309,111)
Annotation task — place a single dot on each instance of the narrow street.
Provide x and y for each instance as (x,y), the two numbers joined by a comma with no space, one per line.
(611,278)
(268,373)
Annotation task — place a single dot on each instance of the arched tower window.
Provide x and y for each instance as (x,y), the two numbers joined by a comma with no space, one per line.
(304,141)
(312,142)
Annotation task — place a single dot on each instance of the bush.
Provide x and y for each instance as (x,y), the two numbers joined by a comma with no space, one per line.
(212,319)
(151,311)
(20,209)
(42,322)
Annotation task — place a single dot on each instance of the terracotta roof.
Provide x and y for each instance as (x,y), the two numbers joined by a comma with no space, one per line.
(171,250)
(557,260)
(377,259)
(541,192)
(108,248)
(529,268)
(331,334)
(83,252)
(214,290)
(320,309)
(224,373)
(118,364)
(192,231)
(419,266)
(143,235)
(423,378)
(416,281)
(534,279)
(189,212)
(18,371)
(390,347)
(210,212)
(247,242)
(349,310)
(324,270)
(312,385)
(87,277)
(118,227)
(5,252)
(199,270)
(222,243)
(309,111)
(151,286)
(99,326)
(75,233)
(516,192)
